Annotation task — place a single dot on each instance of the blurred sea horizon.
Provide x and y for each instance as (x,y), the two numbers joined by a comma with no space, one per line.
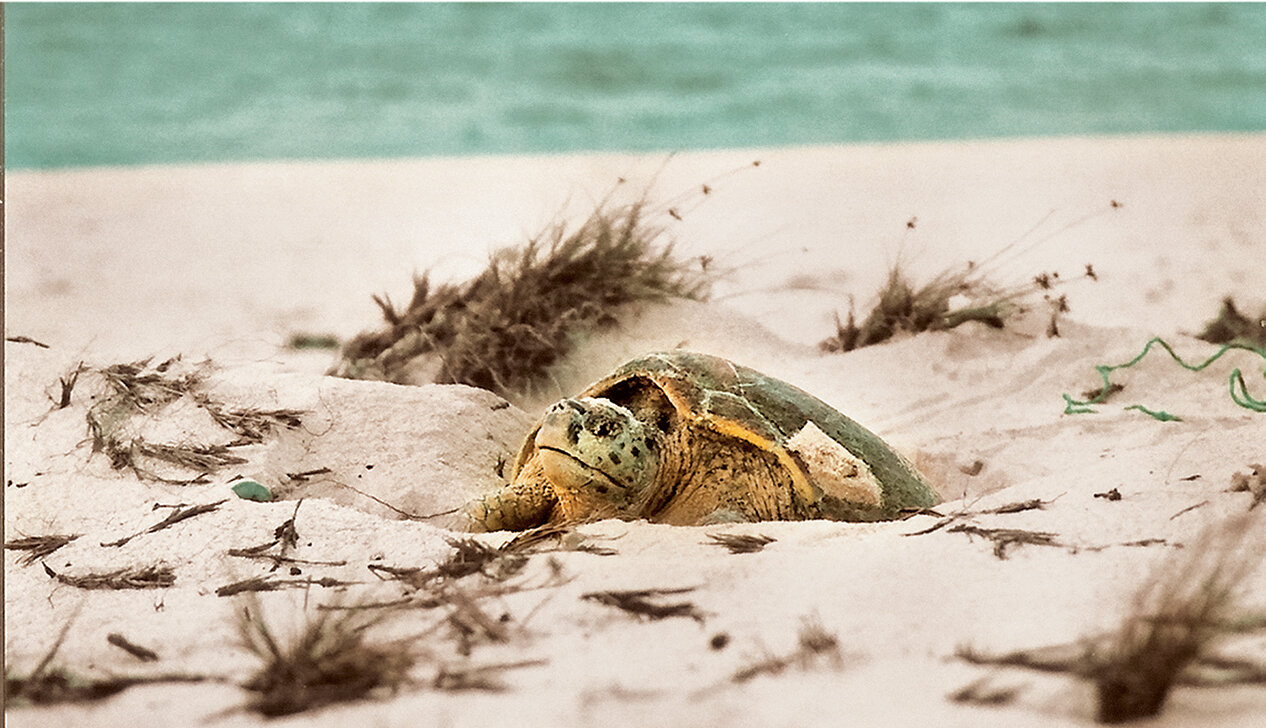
(129,84)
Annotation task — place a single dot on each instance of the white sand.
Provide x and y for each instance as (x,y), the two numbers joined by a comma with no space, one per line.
(228,261)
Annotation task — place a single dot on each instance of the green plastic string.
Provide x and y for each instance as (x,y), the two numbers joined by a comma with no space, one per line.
(1161,415)
(1238,388)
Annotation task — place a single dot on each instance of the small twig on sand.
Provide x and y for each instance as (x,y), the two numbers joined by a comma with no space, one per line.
(638,602)
(1003,538)
(172,518)
(146,577)
(141,653)
(814,643)
(263,583)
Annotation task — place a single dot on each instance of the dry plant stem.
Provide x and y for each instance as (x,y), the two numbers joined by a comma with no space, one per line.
(1017,507)
(172,518)
(141,653)
(478,677)
(979,692)
(814,644)
(741,543)
(144,577)
(1003,538)
(37,547)
(263,583)
(638,602)
(26,340)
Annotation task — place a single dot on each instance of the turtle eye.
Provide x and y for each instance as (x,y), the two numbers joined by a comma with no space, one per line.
(603,428)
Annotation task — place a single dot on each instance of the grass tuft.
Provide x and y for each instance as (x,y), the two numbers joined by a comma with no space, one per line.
(1168,638)
(949,300)
(504,329)
(330,660)
(1177,616)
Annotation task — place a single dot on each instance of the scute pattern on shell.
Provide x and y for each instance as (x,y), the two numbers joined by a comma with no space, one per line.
(767,412)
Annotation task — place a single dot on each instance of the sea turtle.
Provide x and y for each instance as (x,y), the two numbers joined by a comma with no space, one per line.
(689,439)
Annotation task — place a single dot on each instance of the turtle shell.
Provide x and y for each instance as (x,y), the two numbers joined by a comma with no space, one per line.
(769,413)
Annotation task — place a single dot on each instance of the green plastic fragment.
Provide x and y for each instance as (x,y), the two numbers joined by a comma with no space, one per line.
(1161,415)
(1238,389)
(250,490)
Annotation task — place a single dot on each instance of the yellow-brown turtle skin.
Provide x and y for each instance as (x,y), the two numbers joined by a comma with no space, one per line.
(691,439)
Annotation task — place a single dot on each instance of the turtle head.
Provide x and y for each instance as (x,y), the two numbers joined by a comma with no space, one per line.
(598,456)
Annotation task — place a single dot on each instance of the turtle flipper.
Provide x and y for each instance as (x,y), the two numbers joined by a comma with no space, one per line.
(526,503)
(724,515)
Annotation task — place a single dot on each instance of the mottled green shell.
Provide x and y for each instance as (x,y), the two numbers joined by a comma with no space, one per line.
(765,411)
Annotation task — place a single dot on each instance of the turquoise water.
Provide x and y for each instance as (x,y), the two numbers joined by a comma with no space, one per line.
(153,83)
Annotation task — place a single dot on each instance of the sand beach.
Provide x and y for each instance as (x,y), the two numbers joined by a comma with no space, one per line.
(1051,529)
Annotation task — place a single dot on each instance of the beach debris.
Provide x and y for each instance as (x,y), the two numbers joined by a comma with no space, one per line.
(144,654)
(1238,389)
(1179,615)
(264,583)
(306,475)
(982,692)
(1102,395)
(1254,481)
(1189,509)
(1014,507)
(37,547)
(177,515)
(470,625)
(745,446)
(638,602)
(329,660)
(1109,495)
(477,677)
(1004,538)
(26,340)
(568,538)
(251,490)
(972,469)
(504,329)
(133,577)
(48,685)
(67,382)
(1142,542)
(312,341)
(285,538)
(815,645)
(1231,326)
(468,557)
(133,392)
(741,543)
